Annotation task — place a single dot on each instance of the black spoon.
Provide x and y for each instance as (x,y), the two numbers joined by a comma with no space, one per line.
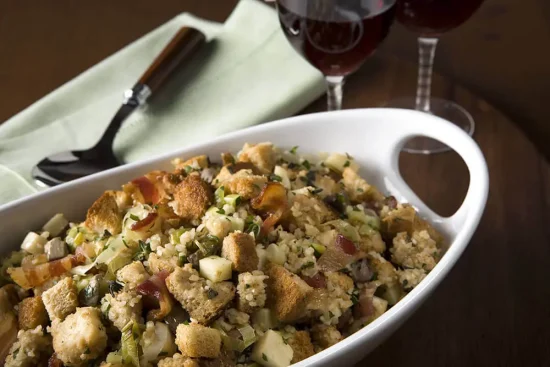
(66,166)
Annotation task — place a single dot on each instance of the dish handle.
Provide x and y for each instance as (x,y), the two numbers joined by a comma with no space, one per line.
(454,137)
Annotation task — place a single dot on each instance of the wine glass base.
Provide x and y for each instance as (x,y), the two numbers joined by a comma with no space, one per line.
(445,109)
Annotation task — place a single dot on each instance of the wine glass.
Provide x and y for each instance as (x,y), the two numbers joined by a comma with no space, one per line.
(431,18)
(335,36)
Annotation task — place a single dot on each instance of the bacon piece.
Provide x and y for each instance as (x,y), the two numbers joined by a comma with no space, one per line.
(272,203)
(155,290)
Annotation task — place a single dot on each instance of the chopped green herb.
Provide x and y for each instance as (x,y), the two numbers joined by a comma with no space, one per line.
(405,282)
(163,354)
(355,296)
(115,287)
(14,355)
(125,243)
(306,164)
(220,211)
(274,177)
(134,217)
(264,357)
(106,234)
(330,314)
(360,190)
(346,164)
(246,286)
(143,251)
(188,169)
(374,276)
(87,350)
(309,264)
(256,186)
(293,150)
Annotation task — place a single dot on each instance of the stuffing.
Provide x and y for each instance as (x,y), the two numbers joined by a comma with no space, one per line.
(418,250)
(80,338)
(192,197)
(309,210)
(244,183)
(178,360)
(156,264)
(203,302)
(104,214)
(196,341)
(124,307)
(198,162)
(251,291)
(300,342)
(410,278)
(29,349)
(385,278)
(240,249)
(325,336)
(61,299)
(132,274)
(358,189)
(261,155)
(32,313)
(405,219)
(287,293)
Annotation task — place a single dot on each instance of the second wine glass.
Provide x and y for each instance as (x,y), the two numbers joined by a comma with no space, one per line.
(336,36)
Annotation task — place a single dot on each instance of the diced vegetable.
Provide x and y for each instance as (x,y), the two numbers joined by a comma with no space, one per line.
(248,334)
(339,162)
(319,249)
(283,174)
(275,254)
(161,344)
(33,243)
(129,343)
(176,234)
(220,194)
(12,261)
(234,200)
(265,319)
(56,225)
(215,268)
(271,350)
(89,296)
(55,249)
(359,216)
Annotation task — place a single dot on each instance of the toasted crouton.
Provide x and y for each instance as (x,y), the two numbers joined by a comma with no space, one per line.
(325,335)
(80,338)
(358,189)
(32,313)
(61,299)
(192,197)
(104,214)
(261,155)
(132,274)
(157,264)
(200,161)
(405,219)
(309,210)
(240,249)
(287,293)
(203,305)
(197,341)
(300,342)
(178,360)
(243,182)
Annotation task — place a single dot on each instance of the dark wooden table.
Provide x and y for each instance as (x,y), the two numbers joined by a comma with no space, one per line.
(494,308)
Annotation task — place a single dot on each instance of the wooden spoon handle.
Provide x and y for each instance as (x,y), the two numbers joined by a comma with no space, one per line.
(180,49)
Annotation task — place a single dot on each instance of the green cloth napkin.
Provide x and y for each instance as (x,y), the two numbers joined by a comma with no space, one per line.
(247,74)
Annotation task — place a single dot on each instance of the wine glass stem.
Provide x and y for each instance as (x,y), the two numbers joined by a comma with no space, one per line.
(335,86)
(426,54)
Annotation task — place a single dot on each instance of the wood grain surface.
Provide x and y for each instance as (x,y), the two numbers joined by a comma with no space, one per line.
(493,309)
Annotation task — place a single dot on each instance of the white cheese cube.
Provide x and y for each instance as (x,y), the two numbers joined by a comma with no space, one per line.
(271,350)
(33,243)
(215,268)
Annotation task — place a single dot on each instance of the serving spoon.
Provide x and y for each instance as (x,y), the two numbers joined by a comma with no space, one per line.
(66,166)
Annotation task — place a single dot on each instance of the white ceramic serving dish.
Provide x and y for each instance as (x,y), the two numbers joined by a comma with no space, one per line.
(373,137)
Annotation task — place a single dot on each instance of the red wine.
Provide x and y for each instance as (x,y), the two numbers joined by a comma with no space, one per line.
(336,36)
(433,17)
